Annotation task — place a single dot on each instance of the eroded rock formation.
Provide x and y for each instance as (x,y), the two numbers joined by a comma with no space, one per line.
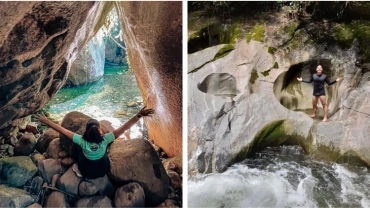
(271,107)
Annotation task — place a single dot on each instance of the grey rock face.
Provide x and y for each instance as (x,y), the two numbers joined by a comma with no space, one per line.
(13,197)
(17,170)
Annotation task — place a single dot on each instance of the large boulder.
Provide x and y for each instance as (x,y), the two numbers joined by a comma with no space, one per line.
(39,41)
(156,60)
(13,197)
(94,201)
(25,145)
(89,64)
(136,161)
(16,171)
(69,182)
(49,167)
(56,199)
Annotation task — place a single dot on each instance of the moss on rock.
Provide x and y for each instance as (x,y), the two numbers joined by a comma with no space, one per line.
(223,51)
(257,33)
(254,76)
(276,65)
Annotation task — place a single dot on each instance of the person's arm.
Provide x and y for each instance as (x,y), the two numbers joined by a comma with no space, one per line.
(56,127)
(301,80)
(143,112)
(333,82)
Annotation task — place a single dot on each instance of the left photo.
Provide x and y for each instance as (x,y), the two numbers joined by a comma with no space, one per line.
(91,104)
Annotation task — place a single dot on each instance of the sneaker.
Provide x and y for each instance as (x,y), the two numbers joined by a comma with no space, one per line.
(76,170)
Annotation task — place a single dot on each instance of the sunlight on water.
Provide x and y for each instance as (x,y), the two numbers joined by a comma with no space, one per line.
(282,177)
(103,100)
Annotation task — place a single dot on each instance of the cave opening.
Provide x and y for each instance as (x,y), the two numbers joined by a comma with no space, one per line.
(100,83)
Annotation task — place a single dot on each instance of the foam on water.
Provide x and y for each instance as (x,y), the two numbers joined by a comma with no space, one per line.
(282,177)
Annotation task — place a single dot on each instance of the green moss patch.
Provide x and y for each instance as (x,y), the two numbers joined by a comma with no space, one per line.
(271,50)
(257,33)
(266,73)
(223,52)
(254,76)
(276,65)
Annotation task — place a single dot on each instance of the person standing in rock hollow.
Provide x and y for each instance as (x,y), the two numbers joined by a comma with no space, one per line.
(92,156)
(319,80)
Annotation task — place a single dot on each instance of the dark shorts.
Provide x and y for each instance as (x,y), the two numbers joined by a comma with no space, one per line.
(92,169)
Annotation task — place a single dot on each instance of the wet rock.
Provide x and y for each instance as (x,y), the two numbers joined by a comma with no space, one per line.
(102,185)
(130,195)
(136,160)
(25,145)
(176,181)
(132,104)
(45,139)
(14,197)
(69,182)
(48,167)
(16,171)
(94,201)
(37,158)
(56,199)
(54,149)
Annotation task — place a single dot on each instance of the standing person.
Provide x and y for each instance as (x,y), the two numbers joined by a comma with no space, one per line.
(319,80)
(92,159)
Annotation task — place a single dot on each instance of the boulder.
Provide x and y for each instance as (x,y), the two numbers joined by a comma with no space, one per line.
(47,168)
(16,171)
(94,201)
(43,142)
(169,203)
(35,205)
(176,181)
(37,158)
(69,182)
(56,199)
(136,161)
(174,164)
(25,145)
(14,197)
(102,185)
(54,148)
(159,69)
(130,195)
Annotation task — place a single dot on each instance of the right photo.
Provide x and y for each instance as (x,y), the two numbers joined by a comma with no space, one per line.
(278,104)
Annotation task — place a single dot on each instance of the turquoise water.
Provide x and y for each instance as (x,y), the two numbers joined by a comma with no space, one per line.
(104,98)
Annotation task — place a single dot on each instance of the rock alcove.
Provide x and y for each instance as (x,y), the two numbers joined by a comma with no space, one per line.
(297,96)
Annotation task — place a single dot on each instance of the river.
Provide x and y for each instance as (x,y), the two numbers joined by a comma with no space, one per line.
(282,177)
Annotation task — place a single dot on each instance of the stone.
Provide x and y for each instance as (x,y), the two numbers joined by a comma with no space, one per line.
(69,182)
(102,185)
(89,65)
(136,160)
(4,146)
(121,113)
(23,122)
(35,205)
(130,195)
(16,171)
(174,164)
(56,199)
(62,154)
(176,181)
(94,201)
(32,128)
(132,104)
(170,203)
(25,145)
(162,72)
(45,139)
(11,150)
(13,140)
(48,167)
(14,197)
(54,148)
(37,158)
(67,161)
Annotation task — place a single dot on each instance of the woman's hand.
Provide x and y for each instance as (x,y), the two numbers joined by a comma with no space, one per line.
(146,112)
(41,118)
(338,79)
(299,79)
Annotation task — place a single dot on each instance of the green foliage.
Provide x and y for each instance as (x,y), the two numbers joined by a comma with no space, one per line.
(257,33)
(276,65)
(266,73)
(254,76)
(271,50)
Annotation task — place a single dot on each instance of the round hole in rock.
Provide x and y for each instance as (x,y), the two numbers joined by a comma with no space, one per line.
(297,96)
(219,84)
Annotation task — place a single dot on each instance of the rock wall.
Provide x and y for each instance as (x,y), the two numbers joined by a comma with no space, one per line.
(154,43)
(38,42)
(270,107)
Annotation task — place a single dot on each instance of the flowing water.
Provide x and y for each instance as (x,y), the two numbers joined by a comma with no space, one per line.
(104,99)
(282,177)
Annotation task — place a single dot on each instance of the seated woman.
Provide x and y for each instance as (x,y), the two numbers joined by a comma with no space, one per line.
(92,156)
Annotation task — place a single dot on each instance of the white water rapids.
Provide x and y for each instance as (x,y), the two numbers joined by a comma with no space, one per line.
(282,177)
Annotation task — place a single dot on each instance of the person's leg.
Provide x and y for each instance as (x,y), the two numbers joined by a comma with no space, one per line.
(314,106)
(325,107)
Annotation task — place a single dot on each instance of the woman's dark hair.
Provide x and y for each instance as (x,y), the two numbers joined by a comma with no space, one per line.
(92,133)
